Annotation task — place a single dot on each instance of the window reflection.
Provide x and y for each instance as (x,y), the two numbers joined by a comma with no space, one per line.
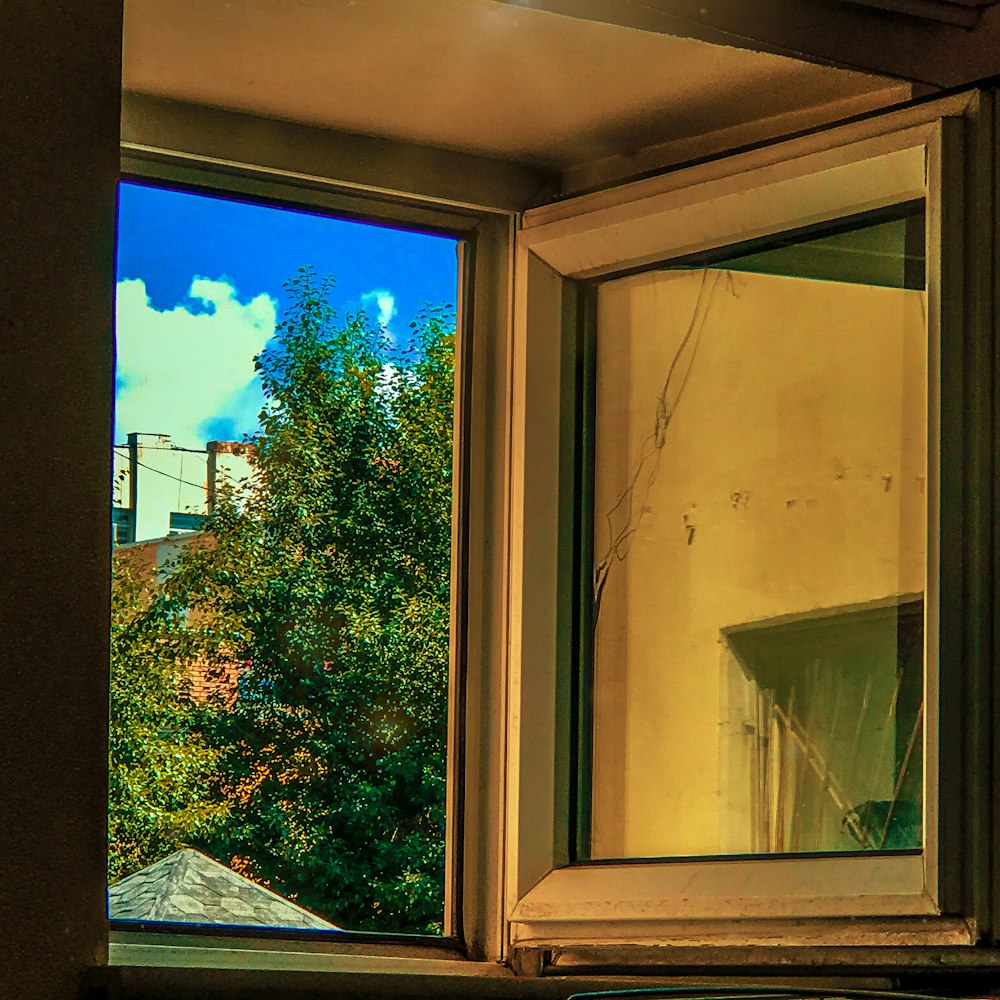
(759,539)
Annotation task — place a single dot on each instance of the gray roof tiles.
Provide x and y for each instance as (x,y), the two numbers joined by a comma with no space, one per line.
(191,887)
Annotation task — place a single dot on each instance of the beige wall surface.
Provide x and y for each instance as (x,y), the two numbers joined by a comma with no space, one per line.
(170,479)
(779,470)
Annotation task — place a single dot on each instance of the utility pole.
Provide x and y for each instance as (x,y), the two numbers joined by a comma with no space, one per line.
(133,484)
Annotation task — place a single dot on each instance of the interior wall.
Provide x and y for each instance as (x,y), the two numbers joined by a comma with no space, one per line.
(59,109)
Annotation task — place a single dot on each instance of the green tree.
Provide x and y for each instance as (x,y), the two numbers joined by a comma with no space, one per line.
(164,783)
(329,583)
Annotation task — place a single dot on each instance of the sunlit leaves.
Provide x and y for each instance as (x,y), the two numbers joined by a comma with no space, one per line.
(164,777)
(328,583)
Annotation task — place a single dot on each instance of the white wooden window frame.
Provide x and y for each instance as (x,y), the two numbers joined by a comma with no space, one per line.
(195,148)
(519,890)
(550,903)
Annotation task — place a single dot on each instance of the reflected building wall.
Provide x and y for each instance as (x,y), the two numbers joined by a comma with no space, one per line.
(781,476)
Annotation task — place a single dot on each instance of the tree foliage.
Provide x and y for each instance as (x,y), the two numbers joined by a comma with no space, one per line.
(328,583)
(163,777)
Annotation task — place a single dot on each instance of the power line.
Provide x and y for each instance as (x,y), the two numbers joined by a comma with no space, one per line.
(176,479)
(165,447)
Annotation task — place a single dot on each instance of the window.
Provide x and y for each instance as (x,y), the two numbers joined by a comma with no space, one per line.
(797,373)
(281,618)
(60,223)
(744,676)
(846,220)
(471,925)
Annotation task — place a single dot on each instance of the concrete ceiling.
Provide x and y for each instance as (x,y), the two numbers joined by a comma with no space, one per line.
(933,44)
(479,76)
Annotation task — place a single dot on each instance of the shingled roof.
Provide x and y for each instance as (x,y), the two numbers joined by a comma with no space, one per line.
(191,887)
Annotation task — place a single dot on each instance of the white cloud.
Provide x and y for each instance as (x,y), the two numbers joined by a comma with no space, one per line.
(387,383)
(385,302)
(178,368)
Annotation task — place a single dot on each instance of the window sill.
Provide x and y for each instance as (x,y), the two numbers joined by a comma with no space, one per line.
(850,900)
(149,949)
(806,962)
(558,973)
(780,934)
(251,969)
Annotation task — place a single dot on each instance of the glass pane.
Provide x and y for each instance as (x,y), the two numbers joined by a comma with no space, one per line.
(760,550)
(281,602)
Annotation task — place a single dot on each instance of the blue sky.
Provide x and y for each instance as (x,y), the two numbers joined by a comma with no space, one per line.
(199,294)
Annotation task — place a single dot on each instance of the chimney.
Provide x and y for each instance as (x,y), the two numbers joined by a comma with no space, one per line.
(243,449)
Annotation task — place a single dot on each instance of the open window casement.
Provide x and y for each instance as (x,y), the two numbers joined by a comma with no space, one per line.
(726,691)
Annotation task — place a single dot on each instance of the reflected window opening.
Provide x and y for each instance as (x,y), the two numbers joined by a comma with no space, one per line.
(753,644)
